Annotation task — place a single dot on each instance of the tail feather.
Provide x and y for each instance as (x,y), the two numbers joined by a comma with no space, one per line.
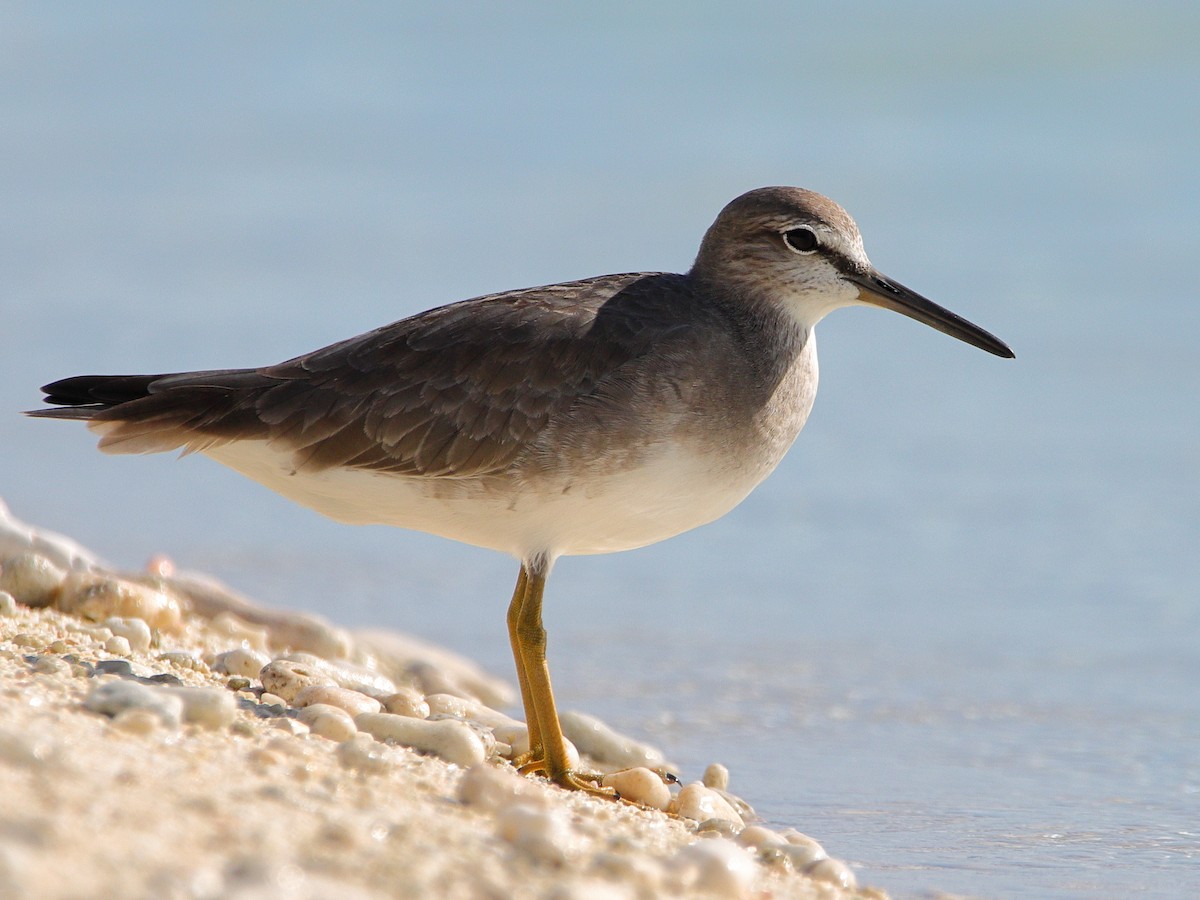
(152,413)
(98,391)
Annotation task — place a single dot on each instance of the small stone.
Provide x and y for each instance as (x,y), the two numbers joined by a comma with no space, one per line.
(606,746)
(833,871)
(364,754)
(122,668)
(449,705)
(137,721)
(344,674)
(25,639)
(8,604)
(32,579)
(207,707)
(328,721)
(134,630)
(240,631)
(290,725)
(541,832)
(266,698)
(718,828)
(60,647)
(801,856)
(351,702)
(49,665)
(98,598)
(240,661)
(698,803)
(113,697)
(757,837)
(717,866)
(118,646)
(452,740)
(639,785)
(286,678)
(490,787)
(238,683)
(160,566)
(792,836)
(183,660)
(406,702)
(716,776)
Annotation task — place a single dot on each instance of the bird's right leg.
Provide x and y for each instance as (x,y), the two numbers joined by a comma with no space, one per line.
(531,720)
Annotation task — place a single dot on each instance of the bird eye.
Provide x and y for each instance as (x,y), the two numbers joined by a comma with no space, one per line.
(800,240)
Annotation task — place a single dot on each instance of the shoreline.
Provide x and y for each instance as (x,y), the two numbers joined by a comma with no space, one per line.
(162,736)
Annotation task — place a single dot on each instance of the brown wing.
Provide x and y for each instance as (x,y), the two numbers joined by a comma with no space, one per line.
(457,391)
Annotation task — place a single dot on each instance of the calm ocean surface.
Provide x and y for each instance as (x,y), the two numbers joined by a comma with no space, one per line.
(956,636)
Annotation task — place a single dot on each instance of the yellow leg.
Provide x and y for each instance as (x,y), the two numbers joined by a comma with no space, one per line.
(548,752)
(531,720)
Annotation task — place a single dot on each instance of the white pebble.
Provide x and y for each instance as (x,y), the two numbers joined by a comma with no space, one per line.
(449,705)
(239,631)
(698,803)
(607,746)
(833,871)
(113,697)
(639,785)
(49,665)
(286,678)
(452,740)
(118,646)
(328,721)
(801,856)
(345,674)
(491,787)
(97,598)
(758,837)
(136,631)
(541,832)
(352,702)
(240,661)
(792,836)
(289,725)
(406,702)
(208,707)
(137,721)
(717,866)
(8,604)
(716,776)
(31,578)
(364,754)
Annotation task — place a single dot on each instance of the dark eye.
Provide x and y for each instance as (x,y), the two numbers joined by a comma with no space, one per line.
(801,240)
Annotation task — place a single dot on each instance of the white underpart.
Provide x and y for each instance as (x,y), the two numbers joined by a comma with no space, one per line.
(677,490)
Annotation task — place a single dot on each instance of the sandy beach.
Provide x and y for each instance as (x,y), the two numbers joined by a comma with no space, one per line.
(162,736)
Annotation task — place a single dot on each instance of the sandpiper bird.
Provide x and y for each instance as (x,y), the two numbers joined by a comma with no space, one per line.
(586,417)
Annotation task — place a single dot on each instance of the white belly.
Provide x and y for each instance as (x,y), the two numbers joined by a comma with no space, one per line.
(674,492)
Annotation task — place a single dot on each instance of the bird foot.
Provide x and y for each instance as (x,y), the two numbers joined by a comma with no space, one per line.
(571,779)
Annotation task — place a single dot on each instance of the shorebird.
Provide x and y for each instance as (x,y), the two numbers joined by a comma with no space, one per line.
(586,417)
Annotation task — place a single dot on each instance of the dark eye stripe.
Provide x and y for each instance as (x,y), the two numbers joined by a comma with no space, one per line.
(802,240)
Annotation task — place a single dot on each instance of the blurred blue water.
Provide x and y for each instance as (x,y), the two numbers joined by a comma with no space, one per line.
(956,636)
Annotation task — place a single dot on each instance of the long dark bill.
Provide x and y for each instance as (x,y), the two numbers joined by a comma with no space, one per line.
(879,290)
